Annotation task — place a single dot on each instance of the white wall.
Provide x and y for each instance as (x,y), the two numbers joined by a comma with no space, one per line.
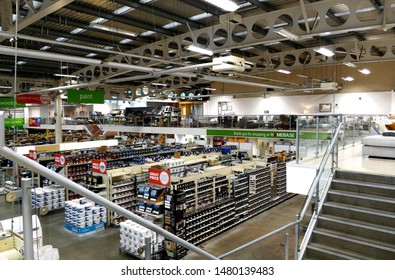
(347,103)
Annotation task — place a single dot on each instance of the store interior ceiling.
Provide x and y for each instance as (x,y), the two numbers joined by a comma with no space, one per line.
(134,48)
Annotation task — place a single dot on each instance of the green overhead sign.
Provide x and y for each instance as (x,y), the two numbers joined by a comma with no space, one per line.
(85,96)
(9,102)
(14,122)
(270,134)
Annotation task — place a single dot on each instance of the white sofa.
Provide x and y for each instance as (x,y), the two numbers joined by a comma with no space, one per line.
(378,146)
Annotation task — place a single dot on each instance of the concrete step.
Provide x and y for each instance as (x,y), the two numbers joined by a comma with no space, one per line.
(365,177)
(339,241)
(362,200)
(357,213)
(317,251)
(378,189)
(357,228)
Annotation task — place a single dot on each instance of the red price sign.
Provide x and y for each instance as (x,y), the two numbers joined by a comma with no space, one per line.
(159,177)
(60,159)
(99,166)
(33,154)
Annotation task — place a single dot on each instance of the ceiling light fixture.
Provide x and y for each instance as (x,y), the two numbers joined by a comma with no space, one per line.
(209,88)
(364,71)
(324,51)
(287,34)
(5,87)
(350,64)
(200,50)
(348,79)
(284,71)
(159,84)
(224,5)
(112,29)
(65,75)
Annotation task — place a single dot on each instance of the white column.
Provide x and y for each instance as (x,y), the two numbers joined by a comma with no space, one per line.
(58,123)
(392,111)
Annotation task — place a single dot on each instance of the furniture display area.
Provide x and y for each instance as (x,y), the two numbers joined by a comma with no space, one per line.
(381,142)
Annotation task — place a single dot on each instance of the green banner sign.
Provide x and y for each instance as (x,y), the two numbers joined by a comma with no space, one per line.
(270,134)
(11,122)
(85,96)
(9,102)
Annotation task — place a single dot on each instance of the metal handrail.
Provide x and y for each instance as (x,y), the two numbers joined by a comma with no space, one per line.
(301,214)
(70,185)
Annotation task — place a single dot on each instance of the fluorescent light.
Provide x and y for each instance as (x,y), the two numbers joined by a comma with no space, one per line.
(122,10)
(199,50)
(5,87)
(284,71)
(98,20)
(209,88)
(44,48)
(171,25)
(65,75)
(364,71)
(159,84)
(125,41)
(112,29)
(91,54)
(324,51)
(348,79)
(77,30)
(287,34)
(21,62)
(5,70)
(200,16)
(224,5)
(61,39)
(350,64)
(147,33)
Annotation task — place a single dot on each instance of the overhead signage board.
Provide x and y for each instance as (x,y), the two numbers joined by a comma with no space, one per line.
(159,177)
(9,102)
(85,96)
(269,134)
(14,122)
(99,166)
(33,98)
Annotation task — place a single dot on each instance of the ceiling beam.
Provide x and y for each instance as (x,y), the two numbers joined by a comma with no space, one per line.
(264,6)
(161,13)
(377,5)
(100,12)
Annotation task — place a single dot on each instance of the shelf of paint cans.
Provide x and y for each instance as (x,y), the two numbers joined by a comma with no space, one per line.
(132,237)
(82,214)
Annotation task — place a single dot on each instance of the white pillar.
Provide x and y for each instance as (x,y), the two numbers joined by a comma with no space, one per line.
(58,123)
(392,109)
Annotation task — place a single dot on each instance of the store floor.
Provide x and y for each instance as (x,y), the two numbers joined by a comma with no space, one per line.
(104,245)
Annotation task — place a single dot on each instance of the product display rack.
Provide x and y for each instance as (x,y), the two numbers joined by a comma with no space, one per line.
(240,193)
(260,197)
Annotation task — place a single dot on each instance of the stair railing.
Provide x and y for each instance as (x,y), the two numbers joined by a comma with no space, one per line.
(314,193)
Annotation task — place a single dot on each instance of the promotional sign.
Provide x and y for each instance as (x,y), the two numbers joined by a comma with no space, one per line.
(60,159)
(33,98)
(33,154)
(9,102)
(269,134)
(159,177)
(35,122)
(99,166)
(85,96)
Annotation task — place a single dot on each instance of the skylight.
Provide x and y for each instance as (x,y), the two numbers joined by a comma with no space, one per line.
(245,4)
(61,39)
(147,33)
(145,1)
(123,10)
(201,16)
(125,41)
(108,47)
(77,30)
(171,25)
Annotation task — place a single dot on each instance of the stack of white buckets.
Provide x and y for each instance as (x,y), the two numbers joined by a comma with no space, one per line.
(132,237)
(83,213)
(50,197)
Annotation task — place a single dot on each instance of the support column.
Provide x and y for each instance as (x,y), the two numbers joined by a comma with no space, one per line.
(27,218)
(58,123)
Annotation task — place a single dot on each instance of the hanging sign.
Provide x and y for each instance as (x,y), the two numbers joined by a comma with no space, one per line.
(33,154)
(33,98)
(60,159)
(159,177)
(85,96)
(99,166)
(14,122)
(9,102)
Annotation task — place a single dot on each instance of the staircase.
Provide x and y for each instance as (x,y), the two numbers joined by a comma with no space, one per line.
(357,220)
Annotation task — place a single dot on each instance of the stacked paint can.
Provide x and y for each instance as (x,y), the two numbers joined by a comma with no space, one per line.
(83,213)
(50,197)
(132,237)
